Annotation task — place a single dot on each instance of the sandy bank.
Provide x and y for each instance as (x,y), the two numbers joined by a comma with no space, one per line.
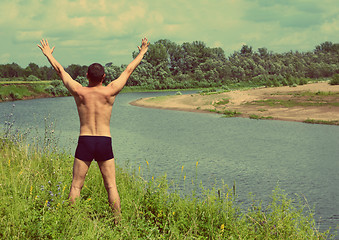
(318,101)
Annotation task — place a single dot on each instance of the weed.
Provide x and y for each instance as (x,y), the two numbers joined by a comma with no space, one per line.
(34,186)
(254,116)
(313,121)
(231,113)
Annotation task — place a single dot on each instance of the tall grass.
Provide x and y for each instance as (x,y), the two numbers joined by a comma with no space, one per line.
(34,185)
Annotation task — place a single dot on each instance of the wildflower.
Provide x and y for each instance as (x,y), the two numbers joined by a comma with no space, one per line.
(182,168)
(184,177)
(46,203)
(9,162)
(173,213)
(64,189)
(147,162)
(20,173)
(222,227)
(139,169)
(42,188)
(30,190)
(196,164)
(152,178)
(88,199)
(36,197)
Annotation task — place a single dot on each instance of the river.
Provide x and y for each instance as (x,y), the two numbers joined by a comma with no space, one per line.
(258,155)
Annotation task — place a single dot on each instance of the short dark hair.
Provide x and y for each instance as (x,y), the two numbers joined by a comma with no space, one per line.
(95,72)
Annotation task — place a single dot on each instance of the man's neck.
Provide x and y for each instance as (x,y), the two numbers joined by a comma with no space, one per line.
(94,84)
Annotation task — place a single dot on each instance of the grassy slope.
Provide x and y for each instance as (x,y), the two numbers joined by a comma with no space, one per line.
(17,90)
(34,187)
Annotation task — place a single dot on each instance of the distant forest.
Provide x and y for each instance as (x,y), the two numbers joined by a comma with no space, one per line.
(168,65)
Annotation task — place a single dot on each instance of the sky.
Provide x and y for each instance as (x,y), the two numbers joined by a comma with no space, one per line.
(87,31)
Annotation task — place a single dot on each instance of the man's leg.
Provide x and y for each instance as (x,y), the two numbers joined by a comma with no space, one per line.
(107,169)
(80,169)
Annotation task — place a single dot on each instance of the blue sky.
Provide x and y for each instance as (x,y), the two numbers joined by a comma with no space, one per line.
(87,31)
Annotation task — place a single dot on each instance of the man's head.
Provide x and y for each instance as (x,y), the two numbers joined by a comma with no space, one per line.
(96,73)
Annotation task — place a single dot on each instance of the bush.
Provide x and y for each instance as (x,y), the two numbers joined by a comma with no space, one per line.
(335,79)
(56,83)
(32,78)
(82,80)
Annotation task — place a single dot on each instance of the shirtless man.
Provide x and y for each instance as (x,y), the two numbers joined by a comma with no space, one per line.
(94,104)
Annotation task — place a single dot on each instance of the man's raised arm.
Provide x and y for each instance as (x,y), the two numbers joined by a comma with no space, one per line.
(118,84)
(68,81)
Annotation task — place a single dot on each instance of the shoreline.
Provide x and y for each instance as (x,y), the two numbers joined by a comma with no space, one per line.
(310,103)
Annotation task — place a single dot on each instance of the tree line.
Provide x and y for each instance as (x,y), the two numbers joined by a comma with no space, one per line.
(169,65)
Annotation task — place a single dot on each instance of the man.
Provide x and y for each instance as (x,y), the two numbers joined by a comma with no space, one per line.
(94,104)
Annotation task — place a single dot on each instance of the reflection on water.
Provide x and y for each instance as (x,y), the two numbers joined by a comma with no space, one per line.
(258,154)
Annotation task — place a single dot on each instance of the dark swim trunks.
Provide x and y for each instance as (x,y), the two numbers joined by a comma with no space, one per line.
(94,147)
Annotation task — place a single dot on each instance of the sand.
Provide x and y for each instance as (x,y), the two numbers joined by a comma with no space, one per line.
(316,101)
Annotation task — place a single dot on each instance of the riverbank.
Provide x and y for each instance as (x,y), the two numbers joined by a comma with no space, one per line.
(313,102)
(35,182)
(23,90)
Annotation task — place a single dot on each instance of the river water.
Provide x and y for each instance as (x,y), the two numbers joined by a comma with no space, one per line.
(258,155)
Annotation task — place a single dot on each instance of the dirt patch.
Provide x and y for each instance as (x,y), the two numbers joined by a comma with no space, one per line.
(316,101)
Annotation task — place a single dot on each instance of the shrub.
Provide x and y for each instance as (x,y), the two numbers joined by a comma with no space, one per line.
(56,83)
(335,79)
(82,80)
(32,78)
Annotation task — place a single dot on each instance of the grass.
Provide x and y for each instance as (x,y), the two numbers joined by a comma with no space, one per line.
(294,103)
(35,180)
(314,121)
(20,91)
(308,93)
(254,116)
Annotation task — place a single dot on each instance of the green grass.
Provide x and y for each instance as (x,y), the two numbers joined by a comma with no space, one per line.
(19,91)
(254,116)
(313,121)
(35,184)
(293,103)
(308,93)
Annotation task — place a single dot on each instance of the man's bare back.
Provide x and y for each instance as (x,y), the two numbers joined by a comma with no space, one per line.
(94,107)
(94,104)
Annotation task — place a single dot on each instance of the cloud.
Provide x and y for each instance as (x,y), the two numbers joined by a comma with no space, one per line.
(83,30)
(24,36)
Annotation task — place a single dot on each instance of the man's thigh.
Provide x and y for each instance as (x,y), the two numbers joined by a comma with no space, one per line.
(80,169)
(107,169)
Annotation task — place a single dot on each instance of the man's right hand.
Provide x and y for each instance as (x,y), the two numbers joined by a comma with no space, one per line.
(144,45)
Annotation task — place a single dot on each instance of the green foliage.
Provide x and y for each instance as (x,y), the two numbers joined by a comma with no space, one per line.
(335,79)
(34,188)
(231,113)
(32,78)
(57,88)
(314,121)
(168,65)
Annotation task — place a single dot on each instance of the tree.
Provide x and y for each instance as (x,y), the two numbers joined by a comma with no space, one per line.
(246,50)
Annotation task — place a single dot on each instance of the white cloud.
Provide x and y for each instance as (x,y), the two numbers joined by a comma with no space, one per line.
(107,27)
(23,36)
